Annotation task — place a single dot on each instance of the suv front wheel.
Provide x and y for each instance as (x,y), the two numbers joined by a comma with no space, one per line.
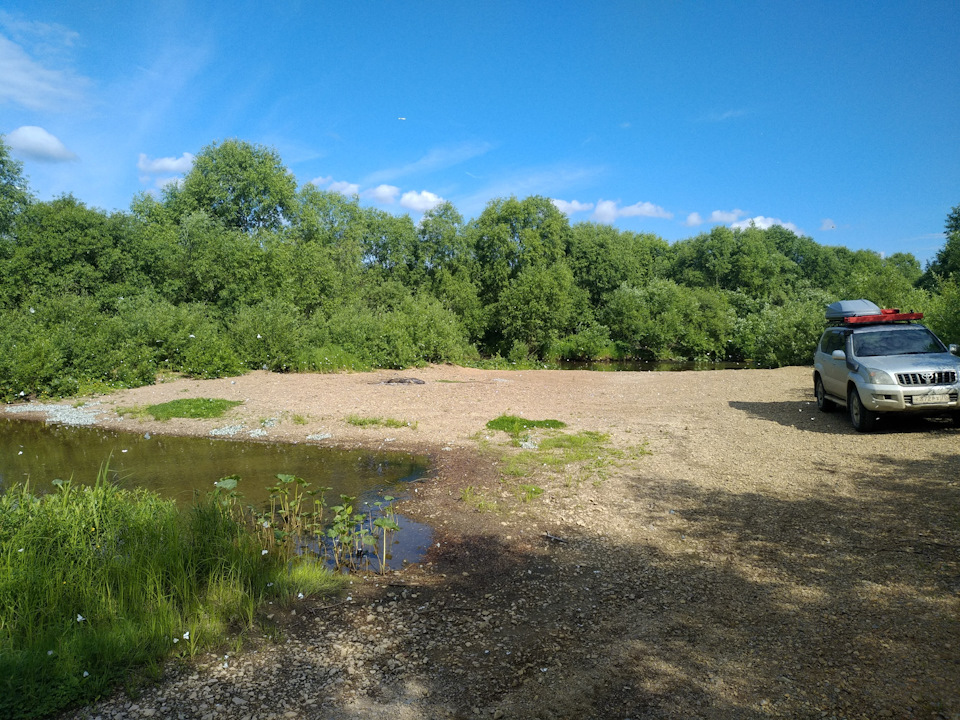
(863,420)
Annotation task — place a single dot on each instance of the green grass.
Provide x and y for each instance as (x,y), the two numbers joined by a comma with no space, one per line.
(473,496)
(100,585)
(516,426)
(191,408)
(360,421)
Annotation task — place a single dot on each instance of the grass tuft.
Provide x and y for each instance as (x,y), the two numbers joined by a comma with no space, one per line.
(360,421)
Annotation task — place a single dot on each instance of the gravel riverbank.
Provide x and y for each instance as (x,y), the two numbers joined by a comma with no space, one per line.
(732,554)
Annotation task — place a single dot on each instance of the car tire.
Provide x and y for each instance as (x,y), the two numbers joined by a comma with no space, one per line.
(862,419)
(824,404)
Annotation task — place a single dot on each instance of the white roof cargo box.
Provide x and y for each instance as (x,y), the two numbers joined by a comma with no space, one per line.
(851,308)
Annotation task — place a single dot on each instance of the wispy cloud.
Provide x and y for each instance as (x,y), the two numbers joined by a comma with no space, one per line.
(46,83)
(180,164)
(828,224)
(609,210)
(724,116)
(726,216)
(36,143)
(693,220)
(436,159)
(549,181)
(572,206)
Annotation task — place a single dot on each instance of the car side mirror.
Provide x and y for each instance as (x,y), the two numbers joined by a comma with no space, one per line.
(955,349)
(838,355)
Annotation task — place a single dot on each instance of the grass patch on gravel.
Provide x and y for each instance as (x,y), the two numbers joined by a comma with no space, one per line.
(196,408)
(516,426)
(360,421)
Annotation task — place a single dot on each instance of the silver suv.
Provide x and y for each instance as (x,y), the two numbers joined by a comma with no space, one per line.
(877,361)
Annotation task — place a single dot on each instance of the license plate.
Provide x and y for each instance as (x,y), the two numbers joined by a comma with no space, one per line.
(930,399)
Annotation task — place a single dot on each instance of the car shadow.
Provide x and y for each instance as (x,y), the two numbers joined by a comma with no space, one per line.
(804,415)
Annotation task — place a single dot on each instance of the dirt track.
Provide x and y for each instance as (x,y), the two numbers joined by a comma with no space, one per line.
(764,560)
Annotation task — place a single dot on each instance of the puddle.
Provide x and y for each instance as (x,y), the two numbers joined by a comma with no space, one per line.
(177,467)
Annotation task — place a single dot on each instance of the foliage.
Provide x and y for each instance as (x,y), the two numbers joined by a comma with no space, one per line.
(14,194)
(245,187)
(235,268)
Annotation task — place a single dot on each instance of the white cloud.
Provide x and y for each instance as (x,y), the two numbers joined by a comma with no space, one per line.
(165,165)
(383,194)
(344,188)
(693,219)
(609,210)
(573,206)
(436,159)
(726,216)
(763,223)
(28,83)
(319,181)
(420,201)
(37,144)
(828,224)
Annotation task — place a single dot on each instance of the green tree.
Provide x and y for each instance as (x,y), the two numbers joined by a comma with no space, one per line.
(441,241)
(536,308)
(14,194)
(603,258)
(953,221)
(244,186)
(511,235)
(62,246)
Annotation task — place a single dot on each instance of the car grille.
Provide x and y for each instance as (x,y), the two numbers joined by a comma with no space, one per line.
(938,377)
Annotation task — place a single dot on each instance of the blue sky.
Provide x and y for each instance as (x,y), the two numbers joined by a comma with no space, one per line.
(840,120)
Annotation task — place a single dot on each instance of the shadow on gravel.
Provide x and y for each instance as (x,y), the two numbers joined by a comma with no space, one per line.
(805,416)
(722,605)
(731,605)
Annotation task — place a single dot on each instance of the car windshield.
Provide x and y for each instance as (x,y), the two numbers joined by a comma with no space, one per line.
(913,341)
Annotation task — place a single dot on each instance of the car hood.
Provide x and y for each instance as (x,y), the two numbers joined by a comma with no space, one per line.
(912,363)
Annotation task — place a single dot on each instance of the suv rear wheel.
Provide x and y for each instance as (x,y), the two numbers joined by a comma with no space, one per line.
(863,420)
(823,403)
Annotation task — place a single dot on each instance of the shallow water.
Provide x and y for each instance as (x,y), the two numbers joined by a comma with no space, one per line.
(177,467)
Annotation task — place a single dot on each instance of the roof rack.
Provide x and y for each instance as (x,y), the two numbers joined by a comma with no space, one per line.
(863,312)
(887,315)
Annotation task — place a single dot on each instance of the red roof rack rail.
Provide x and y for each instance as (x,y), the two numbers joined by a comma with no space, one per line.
(886,315)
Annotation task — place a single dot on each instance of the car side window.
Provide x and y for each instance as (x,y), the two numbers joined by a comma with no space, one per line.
(832,341)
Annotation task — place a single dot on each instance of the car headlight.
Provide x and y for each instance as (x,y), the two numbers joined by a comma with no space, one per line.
(878,377)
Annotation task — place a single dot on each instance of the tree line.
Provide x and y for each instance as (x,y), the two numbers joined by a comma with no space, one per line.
(236,267)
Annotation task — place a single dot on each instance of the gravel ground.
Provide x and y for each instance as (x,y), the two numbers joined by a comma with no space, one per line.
(734,554)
